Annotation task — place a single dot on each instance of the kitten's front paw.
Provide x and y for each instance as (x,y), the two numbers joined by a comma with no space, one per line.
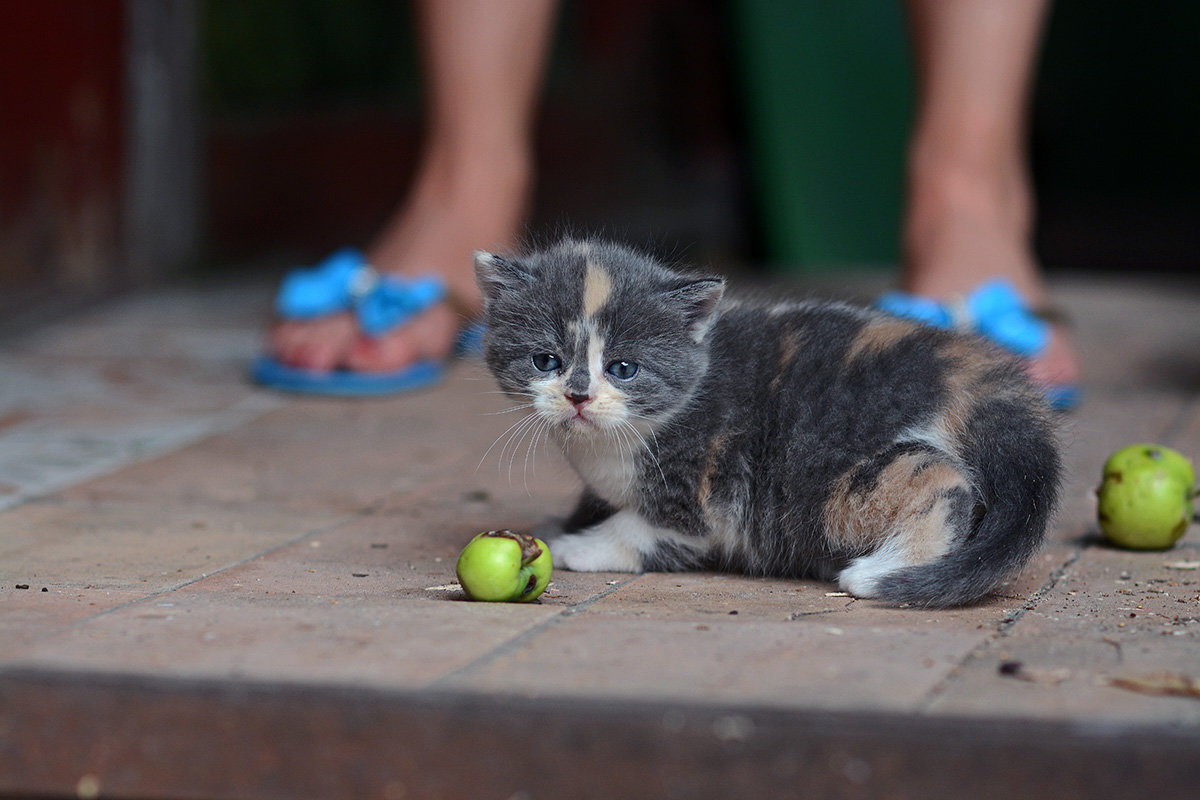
(592,552)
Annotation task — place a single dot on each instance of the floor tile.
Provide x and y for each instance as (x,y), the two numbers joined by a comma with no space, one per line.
(1114,614)
(132,547)
(813,662)
(123,384)
(250,634)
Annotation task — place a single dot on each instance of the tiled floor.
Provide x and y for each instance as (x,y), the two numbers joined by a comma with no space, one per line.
(228,590)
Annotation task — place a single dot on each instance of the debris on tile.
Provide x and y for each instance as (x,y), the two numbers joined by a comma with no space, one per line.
(88,787)
(733,728)
(445,587)
(359,574)
(1051,676)
(1170,684)
(837,594)
(1182,565)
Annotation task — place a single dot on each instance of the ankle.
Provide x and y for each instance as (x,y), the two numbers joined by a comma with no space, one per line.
(491,168)
(967,221)
(989,191)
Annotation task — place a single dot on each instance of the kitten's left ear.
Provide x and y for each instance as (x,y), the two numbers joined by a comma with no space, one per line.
(699,301)
(495,275)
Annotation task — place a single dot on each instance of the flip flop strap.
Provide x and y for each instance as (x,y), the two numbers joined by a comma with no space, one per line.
(995,311)
(346,282)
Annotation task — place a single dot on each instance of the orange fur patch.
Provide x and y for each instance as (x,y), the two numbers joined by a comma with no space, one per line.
(908,503)
(877,336)
(715,448)
(597,288)
(789,347)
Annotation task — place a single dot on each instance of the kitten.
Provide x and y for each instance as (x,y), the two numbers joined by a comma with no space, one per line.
(799,439)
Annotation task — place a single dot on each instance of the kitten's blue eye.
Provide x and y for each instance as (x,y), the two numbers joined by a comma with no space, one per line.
(545,362)
(622,370)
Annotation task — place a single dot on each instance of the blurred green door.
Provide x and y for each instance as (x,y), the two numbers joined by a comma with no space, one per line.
(827,90)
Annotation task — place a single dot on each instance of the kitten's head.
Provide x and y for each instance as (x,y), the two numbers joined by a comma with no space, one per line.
(595,335)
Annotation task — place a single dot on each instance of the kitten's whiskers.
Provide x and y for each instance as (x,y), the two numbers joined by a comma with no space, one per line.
(507,435)
(531,449)
(531,422)
(520,407)
(646,446)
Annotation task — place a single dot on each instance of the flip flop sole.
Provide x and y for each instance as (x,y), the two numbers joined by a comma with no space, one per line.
(343,383)
(1064,397)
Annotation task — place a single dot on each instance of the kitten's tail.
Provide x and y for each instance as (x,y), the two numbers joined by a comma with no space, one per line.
(1014,456)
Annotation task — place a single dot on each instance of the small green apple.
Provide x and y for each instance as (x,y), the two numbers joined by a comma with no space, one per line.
(1137,457)
(504,566)
(1144,508)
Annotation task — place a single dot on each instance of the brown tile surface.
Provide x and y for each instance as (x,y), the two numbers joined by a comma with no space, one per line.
(92,558)
(311,544)
(1114,615)
(247,632)
(133,546)
(813,662)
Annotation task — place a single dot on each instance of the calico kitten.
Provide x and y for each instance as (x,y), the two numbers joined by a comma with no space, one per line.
(799,439)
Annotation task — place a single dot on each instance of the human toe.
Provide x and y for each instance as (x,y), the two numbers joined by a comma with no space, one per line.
(311,344)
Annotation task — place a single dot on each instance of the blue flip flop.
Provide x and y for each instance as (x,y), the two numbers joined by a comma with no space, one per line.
(380,302)
(995,311)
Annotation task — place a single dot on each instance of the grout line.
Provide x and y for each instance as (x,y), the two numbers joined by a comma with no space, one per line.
(1035,598)
(520,639)
(245,410)
(167,590)
(1001,632)
(795,615)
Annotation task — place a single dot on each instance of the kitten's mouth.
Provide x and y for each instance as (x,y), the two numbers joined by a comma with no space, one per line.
(579,419)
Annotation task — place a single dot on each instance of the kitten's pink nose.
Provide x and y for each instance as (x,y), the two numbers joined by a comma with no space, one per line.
(578,399)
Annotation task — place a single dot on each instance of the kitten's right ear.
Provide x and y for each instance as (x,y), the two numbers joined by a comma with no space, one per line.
(496,275)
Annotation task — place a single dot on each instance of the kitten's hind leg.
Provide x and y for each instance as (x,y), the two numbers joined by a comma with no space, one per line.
(622,542)
(900,511)
(861,578)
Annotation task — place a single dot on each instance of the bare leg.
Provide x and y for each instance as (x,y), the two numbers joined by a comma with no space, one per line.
(483,62)
(969,212)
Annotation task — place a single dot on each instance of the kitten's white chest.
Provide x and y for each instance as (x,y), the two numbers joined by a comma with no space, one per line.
(608,470)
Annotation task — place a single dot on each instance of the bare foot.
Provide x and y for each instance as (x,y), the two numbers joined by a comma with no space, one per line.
(450,213)
(962,230)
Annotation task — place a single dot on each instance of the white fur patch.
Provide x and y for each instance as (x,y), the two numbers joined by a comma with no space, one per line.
(595,360)
(931,436)
(615,545)
(608,465)
(862,577)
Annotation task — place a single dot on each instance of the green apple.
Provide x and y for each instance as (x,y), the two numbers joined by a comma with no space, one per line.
(1145,507)
(1138,457)
(504,566)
